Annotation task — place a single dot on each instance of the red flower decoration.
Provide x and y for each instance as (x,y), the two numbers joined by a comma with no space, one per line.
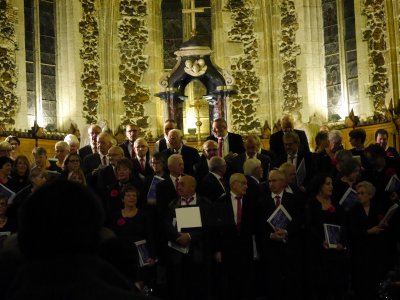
(331,209)
(390,172)
(121,222)
(389,154)
(114,193)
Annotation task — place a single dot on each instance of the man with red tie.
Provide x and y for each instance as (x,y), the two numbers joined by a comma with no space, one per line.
(132,132)
(236,226)
(141,163)
(229,144)
(187,271)
(280,250)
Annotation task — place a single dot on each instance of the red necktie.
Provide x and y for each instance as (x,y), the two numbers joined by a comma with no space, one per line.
(142,164)
(176,183)
(277,200)
(239,212)
(220,146)
(188,200)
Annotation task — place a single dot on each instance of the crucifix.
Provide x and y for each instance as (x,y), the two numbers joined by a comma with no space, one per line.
(192,11)
(198,105)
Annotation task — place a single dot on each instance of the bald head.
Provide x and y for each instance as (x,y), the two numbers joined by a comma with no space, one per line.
(175,165)
(187,186)
(217,165)
(175,137)
(115,153)
(104,142)
(210,149)
(238,184)
(277,181)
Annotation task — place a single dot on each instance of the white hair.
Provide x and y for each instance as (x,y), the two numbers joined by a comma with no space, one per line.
(250,164)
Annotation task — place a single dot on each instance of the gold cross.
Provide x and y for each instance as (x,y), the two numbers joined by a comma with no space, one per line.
(193,10)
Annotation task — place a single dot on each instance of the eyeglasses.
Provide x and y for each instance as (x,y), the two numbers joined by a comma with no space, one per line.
(211,150)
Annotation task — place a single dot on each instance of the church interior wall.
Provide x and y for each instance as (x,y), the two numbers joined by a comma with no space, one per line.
(267,29)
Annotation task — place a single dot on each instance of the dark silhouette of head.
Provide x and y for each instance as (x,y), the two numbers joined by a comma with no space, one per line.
(60,218)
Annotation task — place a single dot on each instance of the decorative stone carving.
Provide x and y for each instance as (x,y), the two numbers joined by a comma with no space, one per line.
(90,78)
(133,36)
(8,68)
(375,35)
(289,50)
(243,68)
(196,68)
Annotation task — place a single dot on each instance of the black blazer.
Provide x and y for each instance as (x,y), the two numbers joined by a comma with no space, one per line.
(235,244)
(203,240)
(137,170)
(238,162)
(308,161)
(236,144)
(165,194)
(200,169)
(211,188)
(85,151)
(283,258)
(91,162)
(124,146)
(276,142)
(190,157)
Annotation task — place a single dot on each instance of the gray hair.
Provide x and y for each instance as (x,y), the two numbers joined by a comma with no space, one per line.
(71,139)
(369,187)
(62,144)
(335,135)
(250,164)
(215,163)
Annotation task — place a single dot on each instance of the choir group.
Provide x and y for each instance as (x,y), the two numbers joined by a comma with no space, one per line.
(237,221)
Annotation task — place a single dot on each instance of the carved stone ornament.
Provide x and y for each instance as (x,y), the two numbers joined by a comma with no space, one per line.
(289,50)
(133,37)
(8,68)
(196,68)
(244,68)
(90,78)
(375,35)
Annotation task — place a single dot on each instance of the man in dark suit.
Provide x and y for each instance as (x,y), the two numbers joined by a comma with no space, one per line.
(236,222)
(132,132)
(280,247)
(253,170)
(187,271)
(381,138)
(94,162)
(107,176)
(94,130)
(162,144)
(287,125)
(293,154)
(200,169)
(141,163)
(190,155)
(229,144)
(252,146)
(213,184)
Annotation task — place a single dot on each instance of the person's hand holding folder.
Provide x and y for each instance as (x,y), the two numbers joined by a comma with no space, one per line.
(183,239)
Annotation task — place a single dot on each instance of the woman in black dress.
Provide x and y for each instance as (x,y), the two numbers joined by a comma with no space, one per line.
(370,243)
(20,173)
(132,225)
(326,264)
